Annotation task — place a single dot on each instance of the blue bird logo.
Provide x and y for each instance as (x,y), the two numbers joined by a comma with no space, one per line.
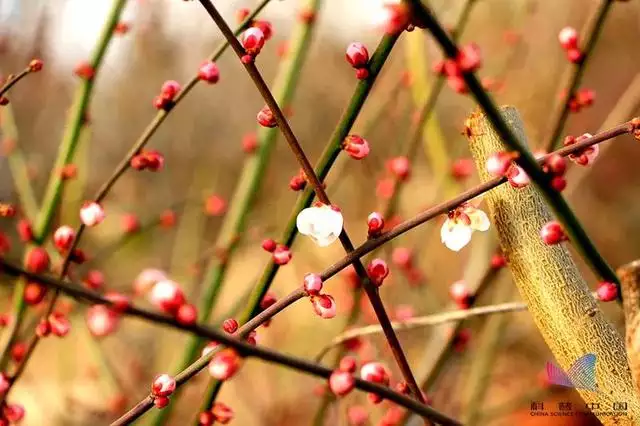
(581,375)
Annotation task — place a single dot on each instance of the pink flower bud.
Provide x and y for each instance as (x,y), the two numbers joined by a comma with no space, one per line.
(324,305)
(224,365)
(357,55)
(375,224)
(269,245)
(102,320)
(94,279)
(517,177)
(13,412)
(187,314)
(37,260)
(281,255)
(348,364)
(91,213)
(555,164)
(375,372)
(266,118)
(130,223)
(341,382)
(34,293)
(154,160)
(5,383)
(63,237)
(230,325)
(163,385)
(249,143)
(568,38)
(607,291)
(60,325)
(167,296)
(252,40)
(575,56)
(312,284)
(378,271)
(362,73)
(170,90)
(119,301)
(35,65)
(209,72)
(222,413)
(356,146)
(552,233)
(498,261)
(462,168)
(400,167)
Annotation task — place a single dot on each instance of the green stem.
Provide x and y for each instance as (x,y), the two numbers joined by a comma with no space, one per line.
(17,164)
(525,159)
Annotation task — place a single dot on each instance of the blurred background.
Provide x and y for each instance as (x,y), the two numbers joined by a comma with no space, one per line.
(201,141)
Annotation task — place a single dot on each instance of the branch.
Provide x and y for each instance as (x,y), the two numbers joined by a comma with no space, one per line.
(630,282)
(297,150)
(243,348)
(549,281)
(594,28)
(525,159)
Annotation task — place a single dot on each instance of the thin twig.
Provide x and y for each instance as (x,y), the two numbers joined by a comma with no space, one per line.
(13,80)
(595,26)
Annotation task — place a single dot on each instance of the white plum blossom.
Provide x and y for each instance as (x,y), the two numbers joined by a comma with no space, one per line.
(460,224)
(323,224)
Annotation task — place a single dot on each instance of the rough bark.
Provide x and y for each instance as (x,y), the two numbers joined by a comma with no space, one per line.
(630,281)
(548,280)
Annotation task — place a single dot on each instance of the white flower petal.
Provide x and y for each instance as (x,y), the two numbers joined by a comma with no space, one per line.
(322,224)
(479,220)
(455,236)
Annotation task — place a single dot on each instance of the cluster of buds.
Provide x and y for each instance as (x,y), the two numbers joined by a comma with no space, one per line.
(341,381)
(165,100)
(358,57)
(501,164)
(219,413)
(402,257)
(583,98)
(568,37)
(166,295)
(555,166)
(299,181)
(161,388)
(468,60)
(252,40)
(323,304)
(583,157)
(57,324)
(356,146)
(280,253)
(552,233)
(375,372)
(151,160)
